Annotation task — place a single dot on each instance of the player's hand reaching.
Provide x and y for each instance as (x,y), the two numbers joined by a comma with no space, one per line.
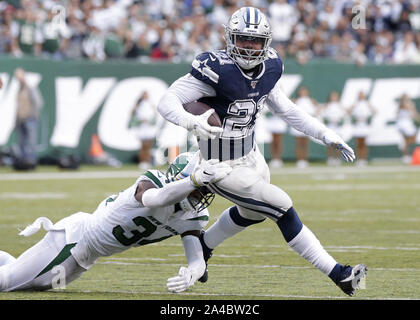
(331,139)
(180,282)
(209,171)
(200,127)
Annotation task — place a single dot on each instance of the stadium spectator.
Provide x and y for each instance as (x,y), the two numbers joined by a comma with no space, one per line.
(405,49)
(29,104)
(329,16)
(283,16)
(8,32)
(358,55)
(407,116)
(29,35)
(55,36)
(361,112)
(93,45)
(178,29)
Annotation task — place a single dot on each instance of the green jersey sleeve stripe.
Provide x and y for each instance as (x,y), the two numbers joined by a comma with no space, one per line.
(153,178)
(204,218)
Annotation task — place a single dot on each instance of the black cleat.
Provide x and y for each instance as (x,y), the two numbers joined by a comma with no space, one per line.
(207,253)
(351,277)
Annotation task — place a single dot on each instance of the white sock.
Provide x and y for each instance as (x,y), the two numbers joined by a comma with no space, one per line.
(221,230)
(309,247)
(6,258)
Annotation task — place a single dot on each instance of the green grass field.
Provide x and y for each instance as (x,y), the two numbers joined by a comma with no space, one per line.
(361,215)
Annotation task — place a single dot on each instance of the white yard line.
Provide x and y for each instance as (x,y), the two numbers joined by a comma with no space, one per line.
(398,248)
(69,175)
(354,187)
(32,195)
(235,266)
(134,174)
(346,170)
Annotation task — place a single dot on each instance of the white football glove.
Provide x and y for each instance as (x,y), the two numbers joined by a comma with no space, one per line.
(199,126)
(209,171)
(331,139)
(181,282)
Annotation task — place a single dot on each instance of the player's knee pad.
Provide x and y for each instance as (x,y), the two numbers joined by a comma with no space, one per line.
(240,220)
(290,224)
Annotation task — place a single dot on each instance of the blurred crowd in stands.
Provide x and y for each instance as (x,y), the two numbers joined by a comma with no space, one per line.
(177,30)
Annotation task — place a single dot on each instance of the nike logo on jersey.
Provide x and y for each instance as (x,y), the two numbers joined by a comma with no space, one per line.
(211,57)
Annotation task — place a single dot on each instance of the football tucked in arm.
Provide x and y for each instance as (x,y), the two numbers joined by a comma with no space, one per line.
(197,108)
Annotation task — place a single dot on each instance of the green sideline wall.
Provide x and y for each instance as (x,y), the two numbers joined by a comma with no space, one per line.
(383,84)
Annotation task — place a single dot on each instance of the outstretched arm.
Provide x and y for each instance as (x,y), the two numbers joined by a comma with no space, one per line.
(171,193)
(206,172)
(281,105)
(187,276)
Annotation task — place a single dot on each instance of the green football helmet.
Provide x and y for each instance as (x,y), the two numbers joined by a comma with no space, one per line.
(176,167)
(201,197)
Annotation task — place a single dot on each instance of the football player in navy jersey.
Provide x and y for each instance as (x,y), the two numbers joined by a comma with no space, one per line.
(236,83)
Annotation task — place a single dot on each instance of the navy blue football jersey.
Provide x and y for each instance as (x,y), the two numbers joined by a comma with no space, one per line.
(239,98)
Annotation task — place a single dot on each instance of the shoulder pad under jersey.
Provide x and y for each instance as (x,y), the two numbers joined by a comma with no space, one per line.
(274,60)
(206,67)
(155,176)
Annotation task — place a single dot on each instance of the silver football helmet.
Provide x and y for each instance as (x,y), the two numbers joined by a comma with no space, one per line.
(248,24)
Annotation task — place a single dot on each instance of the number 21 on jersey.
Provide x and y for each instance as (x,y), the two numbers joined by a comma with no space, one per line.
(241,116)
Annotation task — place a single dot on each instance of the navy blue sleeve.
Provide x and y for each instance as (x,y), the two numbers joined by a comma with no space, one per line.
(205,67)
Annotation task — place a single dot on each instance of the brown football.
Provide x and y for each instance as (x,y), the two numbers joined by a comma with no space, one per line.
(196,108)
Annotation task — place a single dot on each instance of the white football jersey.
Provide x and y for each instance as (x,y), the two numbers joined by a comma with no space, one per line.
(121,222)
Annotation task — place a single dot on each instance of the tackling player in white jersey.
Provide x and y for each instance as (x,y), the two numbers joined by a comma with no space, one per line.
(157,206)
(236,82)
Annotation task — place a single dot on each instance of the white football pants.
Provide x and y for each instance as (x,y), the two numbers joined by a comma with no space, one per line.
(248,186)
(46,265)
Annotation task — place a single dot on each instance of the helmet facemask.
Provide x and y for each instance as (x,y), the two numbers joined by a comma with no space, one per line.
(248,58)
(201,198)
(198,200)
(248,24)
